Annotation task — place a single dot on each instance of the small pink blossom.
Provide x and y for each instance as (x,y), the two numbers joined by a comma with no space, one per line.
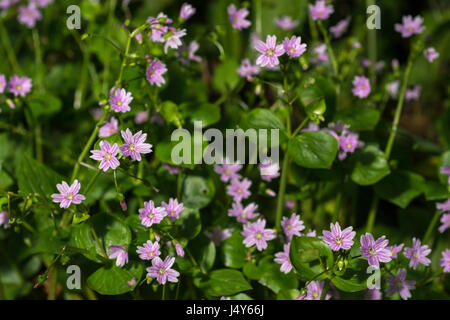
(339,29)
(179,249)
(361,86)
(4,219)
(392,88)
(237,17)
(106,155)
(283,259)
(29,15)
(292,226)
(410,26)
(445,222)
(174,39)
(400,284)
(417,254)
(171,169)
(286,23)
(150,214)
(228,170)
(372,294)
(109,128)
(255,233)
(243,214)
(293,47)
(186,11)
(3,83)
(218,235)
(162,270)
(320,11)
(269,170)
(120,99)
(445,261)
(120,253)
(247,70)
(269,52)
(173,208)
(141,117)
(431,54)
(413,94)
(319,54)
(239,189)
(155,72)
(375,251)
(395,249)
(134,145)
(68,195)
(337,239)
(19,86)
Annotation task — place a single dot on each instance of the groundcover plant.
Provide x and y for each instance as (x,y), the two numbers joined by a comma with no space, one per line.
(265,149)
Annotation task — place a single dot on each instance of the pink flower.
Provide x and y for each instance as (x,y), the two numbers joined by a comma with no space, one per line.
(444,206)
(106,155)
(173,208)
(311,127)
(395,250)
(150,214)
(400,285)
(270,52)
(19,86)
(149,250)
(239,189)
(123,205)
(158,27)
(431,54)
(171,169)
(339,29)
(348,143)
(445,170)
(141,117)
(173,41)
(4,219)
(218,235)
(445,220)
(392,88)
(187,54)
(319,54)
(413,94)
(320,11)
(109,128)
(237,17)
(243,214)
(337,239)
(255,233)
(372,294)
(68,195)
(120,100)
(228,170)
(375,251)
(247,70)
(41,3)
(417,254)
(292,226)
(314,291)
(361,87)
(445,261)
(186,11)
(269,170)
(134,145)
(289,204)
(6,4)
(162,271)
(120,253)
(283,259)
(29,15)
(286,23)
(410,26)
(155,72)
(3,83)
(179,250)
(293,47)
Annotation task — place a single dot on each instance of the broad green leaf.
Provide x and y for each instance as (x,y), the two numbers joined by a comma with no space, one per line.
(35,177)
(359,117)
(320,88)
(354,278)
(189,223)
(226,282)
(313,149)
(111,231)
(171,113)
(44,104)
(204,251)
(115,280)
(435,190)
(82,238)
(316,109)
(400,187)
(304,255)
(263,119)
(234,251)
(207,113)
(197,192)
(371,166)
(225,76)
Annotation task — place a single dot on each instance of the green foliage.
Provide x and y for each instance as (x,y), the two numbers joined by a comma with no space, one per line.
(313,149)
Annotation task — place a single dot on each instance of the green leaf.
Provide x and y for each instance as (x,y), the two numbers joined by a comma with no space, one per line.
(316,109)
(44,104)
(115,280)
(189,223)
(197,192)
(313,149)
(225,76)
(354,278)
(204,251)
(359,117)
(304,255)
(170,112)
(435,190)
(234,251)
(321,88)
(263,119)
(371,166)
(35,177)
(226,282)
(400,187)
(111,231)
(207,113)
(82,238)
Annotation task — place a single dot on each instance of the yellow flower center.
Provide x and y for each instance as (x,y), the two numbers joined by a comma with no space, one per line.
(132,147)
(258,235)
(108,156)
(69,196)
(270,52)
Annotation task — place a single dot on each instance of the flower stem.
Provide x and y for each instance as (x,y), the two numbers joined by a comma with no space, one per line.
(431,227)
(372,213)
(282,190)
(329,48)
(88,145)
(9,49)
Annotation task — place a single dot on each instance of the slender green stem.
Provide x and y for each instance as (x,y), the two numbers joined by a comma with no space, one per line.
(9,49)
(91,182)
(329,48)
(398,110)
(300,127)
(372,45)
(282,189)
(88,145)
(258,17)
(337,207)
(372,213)
(38,58)
(431,226)
(163,293)
(326,286)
